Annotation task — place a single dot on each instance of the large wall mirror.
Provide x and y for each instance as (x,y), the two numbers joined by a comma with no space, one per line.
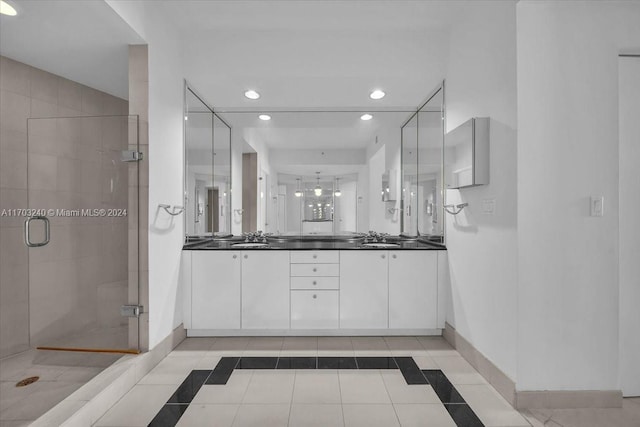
(314,172)
(207,178)
(422,172)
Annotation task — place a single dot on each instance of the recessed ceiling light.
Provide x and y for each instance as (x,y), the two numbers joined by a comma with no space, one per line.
(377,94)
(252,94)
(264,117)
(366,117)
(7,9)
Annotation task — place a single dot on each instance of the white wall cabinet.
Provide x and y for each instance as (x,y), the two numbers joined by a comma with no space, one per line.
(364,290)
(265,289)
(215,290)
(413,289)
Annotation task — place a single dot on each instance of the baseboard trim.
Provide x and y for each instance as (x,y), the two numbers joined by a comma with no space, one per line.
(309,332)
(553,399)
(494,376)
(91,401)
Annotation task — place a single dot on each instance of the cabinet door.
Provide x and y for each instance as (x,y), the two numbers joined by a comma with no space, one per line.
(265,289)
(314,309)
(364,299)
(413,289)
(215,293)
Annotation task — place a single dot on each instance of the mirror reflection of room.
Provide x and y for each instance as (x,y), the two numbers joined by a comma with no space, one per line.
(314,172)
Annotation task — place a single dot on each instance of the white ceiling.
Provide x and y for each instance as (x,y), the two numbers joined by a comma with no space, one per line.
(84,41)
(298,55)
(325,54)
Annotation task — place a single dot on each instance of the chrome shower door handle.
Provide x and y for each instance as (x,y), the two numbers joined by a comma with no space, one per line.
(27,228)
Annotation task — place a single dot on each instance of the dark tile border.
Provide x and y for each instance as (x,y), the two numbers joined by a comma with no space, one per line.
(456,406)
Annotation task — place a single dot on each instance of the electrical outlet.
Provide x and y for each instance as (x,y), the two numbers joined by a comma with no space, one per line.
(488,206)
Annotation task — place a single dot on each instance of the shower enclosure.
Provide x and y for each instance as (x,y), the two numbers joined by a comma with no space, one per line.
(80,233)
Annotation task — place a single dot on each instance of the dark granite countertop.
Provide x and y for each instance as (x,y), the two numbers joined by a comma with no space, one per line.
(312,243)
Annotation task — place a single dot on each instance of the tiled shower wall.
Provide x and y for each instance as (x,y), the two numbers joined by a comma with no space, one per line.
(80,279)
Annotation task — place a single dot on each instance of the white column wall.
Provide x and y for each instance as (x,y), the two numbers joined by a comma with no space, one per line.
(568,151)
(481,82)
(166,162)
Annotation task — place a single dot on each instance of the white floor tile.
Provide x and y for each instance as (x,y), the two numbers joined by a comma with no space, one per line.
(335,345)
(435,344)
(425,362)
(269,387)
(190,345)
(138,406)
(171,370)
(316,386)
(431,415)
(207,362)
(490,407)
(229,345)
(404,344)
(210,415)
(627,416)
(401,392)
(362,387)
(367,344)
(262,415)
(369,416)
(316,416)
(232,392)
(458,370)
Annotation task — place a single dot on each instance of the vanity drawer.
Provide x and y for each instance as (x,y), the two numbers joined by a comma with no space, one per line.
(314,310)
(314,270)
(315,283)
(326,257)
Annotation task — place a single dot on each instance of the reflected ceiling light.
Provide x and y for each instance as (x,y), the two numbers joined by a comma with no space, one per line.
(7,9)
(264,117)
(318,189)
(377,94)
(366,117)
(337,193)
(298,192)
(252,94)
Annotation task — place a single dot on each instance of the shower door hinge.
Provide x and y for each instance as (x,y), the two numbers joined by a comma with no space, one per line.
(131,310)
(130,156)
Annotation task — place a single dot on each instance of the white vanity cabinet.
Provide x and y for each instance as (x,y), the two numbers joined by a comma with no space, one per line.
(275,292)
(215,289)
(265,289)
(413,289)
(364,290)
(315,284)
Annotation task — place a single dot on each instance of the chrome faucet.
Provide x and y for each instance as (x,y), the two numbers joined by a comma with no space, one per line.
(254,236)
(375,237)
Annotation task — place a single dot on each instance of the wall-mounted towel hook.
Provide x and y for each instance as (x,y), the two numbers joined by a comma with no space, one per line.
(458,208)
(175,210)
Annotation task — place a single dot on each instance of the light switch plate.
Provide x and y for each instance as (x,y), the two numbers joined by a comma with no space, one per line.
(597,206)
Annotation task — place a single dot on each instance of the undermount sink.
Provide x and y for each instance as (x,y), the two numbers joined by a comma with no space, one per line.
(250,245)
(380,245)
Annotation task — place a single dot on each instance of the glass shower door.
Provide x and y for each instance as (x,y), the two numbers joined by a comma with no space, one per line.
(82,233)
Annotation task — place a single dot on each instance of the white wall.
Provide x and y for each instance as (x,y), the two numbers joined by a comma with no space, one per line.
(481,82)
(629,152)
(629,107)
(165,162)
(568,151)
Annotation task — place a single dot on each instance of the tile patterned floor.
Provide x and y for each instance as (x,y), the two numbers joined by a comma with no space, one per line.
(309,381)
